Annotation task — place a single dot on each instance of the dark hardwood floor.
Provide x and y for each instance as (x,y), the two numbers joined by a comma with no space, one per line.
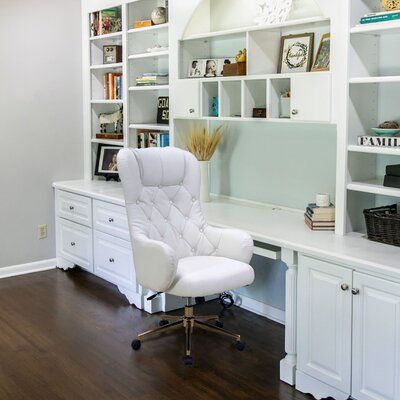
(67,336)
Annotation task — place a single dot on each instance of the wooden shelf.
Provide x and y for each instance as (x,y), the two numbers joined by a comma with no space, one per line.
(156,54)
(376,79)
(391,151)
(378,28)
(114,35)
(107,102)
(148,88)
(373,186)
(149,28)
(106,66)
(270,27)
(156,127)
(110,142)
(249,119)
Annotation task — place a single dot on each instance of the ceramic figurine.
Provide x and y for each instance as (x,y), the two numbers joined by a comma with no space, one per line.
(159,16)
(241,56)
(390,5)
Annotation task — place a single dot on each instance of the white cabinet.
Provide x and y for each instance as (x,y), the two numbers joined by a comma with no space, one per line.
(376,339)
(311,97)
(74,207)
(324,326)
(187,95)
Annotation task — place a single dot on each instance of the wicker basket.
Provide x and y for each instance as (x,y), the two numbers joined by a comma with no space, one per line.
(383,224)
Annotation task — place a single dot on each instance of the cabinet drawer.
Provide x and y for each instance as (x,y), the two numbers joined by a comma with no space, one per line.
(76,243)
(74,207)
(110,219)
(113,260)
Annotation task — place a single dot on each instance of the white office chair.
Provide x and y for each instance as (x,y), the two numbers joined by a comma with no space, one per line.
(175,251)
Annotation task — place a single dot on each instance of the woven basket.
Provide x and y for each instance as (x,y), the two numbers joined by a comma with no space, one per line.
(383,224)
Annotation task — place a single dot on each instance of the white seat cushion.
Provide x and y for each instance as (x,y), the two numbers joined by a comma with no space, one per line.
(206,275)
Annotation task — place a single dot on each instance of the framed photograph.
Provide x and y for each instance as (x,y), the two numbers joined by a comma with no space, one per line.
(197,69)
(106,161)
(296,54)
(323,57)
(211,69)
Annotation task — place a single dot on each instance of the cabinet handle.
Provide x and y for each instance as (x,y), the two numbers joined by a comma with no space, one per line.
(110,220)
(355,291)
(191,110)
(344,286)
(72,208)
(73,244)
(111,260)
(295,111)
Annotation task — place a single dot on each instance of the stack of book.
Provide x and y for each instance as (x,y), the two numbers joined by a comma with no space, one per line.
(112,86)
(152,79)
(105,21)
(380,17)
(148,138)
(320,218)
(392,177)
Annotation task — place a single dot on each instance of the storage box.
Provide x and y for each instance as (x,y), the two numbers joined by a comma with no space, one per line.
(112,54)
(237,69)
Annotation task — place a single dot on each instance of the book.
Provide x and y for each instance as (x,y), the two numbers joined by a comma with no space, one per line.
(392,181)
(105,87)
(380,13)
(112,136)
(315,210)
(320,217)
(313,227)
(164,139)
(94,24)
(393,170)
(320,224)
(379,141)
(380,18)
(110,20)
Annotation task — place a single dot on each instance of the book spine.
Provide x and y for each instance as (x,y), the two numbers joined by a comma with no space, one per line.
(111,86)
(105,87)
(380,18)
(393,170)
(379,141)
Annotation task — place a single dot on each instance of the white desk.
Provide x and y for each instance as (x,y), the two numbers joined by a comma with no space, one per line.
(287,231)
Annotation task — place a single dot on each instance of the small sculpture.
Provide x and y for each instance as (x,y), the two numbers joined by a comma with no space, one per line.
(273,11)
(159,16)
(241,56)
(389,125)
(390,5)
(115,118)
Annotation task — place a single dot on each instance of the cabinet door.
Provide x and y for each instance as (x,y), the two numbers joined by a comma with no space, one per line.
(324,322)
(376,339)
(187,97)
(311,97)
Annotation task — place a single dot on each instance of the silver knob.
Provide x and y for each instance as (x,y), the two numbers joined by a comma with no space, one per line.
(295,111)
(71,208)
(355,291)
(111,260)
(344,286)
(191,110)
(72,244)
(110,220)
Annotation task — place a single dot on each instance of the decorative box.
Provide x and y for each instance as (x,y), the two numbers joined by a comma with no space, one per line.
(112,54)
(237,69)
(259,113)
(142,24)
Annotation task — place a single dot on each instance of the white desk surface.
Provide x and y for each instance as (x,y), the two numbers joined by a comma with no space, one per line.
(282,228)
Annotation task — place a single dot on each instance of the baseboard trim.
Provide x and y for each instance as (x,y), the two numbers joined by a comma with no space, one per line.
(260,308)
(29,268)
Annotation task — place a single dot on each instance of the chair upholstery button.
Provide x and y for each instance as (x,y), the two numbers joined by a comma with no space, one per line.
(193,199)
(201,230)
(137,201)
(180,236)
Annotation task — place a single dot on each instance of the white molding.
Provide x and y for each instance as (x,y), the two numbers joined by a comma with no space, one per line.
(260,308)
(29,268)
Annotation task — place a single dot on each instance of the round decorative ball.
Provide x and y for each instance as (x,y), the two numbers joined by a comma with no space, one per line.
(390,5)
(159,15)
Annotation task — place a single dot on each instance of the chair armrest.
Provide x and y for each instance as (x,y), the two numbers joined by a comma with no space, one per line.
(233,243)
(155,263)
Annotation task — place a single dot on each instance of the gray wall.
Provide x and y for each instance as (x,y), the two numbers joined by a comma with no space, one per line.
(41,115)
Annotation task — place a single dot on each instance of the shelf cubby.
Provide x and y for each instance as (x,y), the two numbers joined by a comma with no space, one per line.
(97,109)
(97,83)
(254,96)
(231,99)
(277,87)
(152,64)
(96,48)
(210,90)
(144,38)
(143,106)
(140,10)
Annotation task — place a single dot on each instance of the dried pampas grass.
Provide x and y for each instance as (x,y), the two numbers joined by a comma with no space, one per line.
(202,144)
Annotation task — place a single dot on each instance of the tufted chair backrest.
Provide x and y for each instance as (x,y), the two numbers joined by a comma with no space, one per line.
(162,188)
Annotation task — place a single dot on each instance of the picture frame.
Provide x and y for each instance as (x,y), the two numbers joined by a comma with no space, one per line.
(197,69)
(296,53)
(323,56)
(106,162)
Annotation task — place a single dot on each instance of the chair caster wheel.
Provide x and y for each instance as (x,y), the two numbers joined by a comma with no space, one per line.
(240,345)
(163,322)
(188,360)
(136,344)
(219,324)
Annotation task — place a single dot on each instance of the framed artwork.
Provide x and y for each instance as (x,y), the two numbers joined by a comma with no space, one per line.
(163,110)
(296,54)
(197,69)
(323,57)
(106,161)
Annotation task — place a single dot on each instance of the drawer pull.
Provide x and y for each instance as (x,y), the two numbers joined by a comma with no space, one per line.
(72,208)
(345,287)
(111,260)
(73,244)
(110,220)
(295,111)
(355,291)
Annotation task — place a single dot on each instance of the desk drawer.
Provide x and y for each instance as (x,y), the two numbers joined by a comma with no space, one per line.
(113,260)
(75,243)
(110,219)
(74,207)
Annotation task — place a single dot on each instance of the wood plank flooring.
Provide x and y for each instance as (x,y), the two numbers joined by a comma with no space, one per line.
(67,336)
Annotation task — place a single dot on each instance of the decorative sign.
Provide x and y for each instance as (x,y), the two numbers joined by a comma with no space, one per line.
(163,110)
(296,53)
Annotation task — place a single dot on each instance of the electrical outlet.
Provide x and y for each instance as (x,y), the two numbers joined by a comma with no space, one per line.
(42,231)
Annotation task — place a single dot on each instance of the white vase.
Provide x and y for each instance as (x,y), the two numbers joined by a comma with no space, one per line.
(205,181)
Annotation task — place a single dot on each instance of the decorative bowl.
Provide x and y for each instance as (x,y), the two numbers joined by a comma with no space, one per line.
(385,132)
